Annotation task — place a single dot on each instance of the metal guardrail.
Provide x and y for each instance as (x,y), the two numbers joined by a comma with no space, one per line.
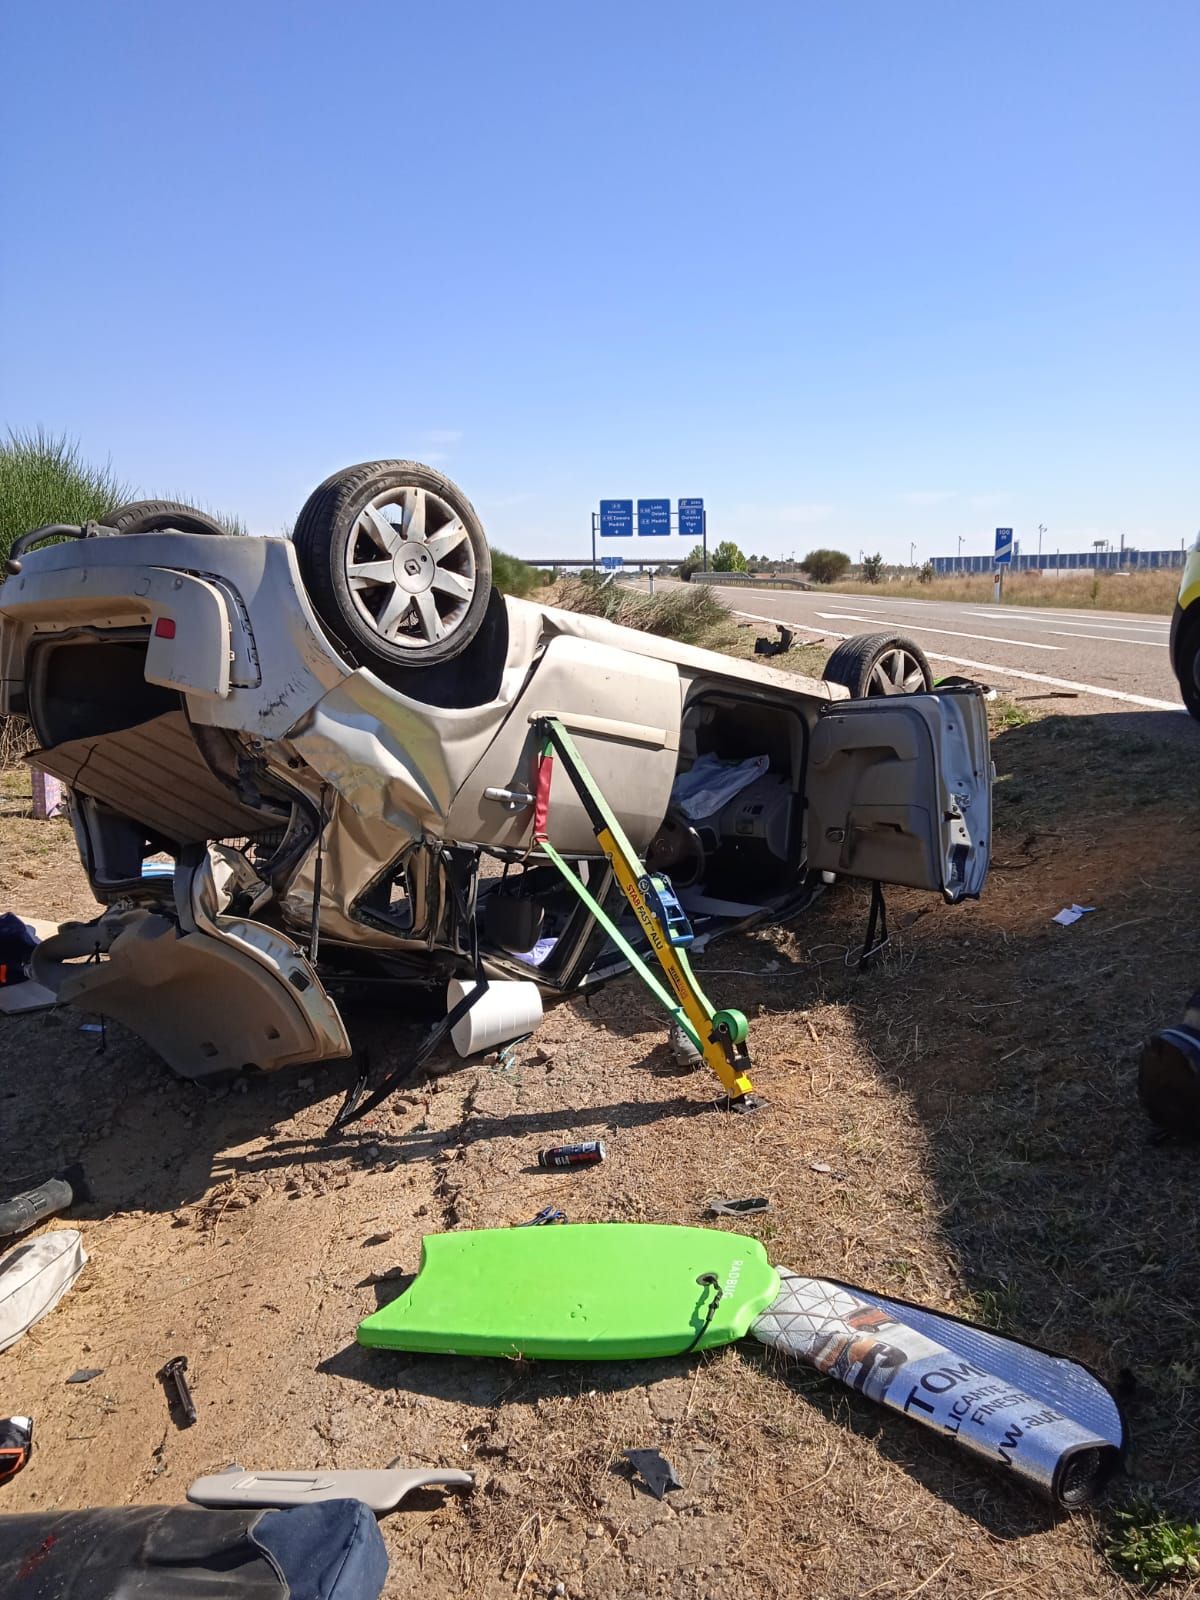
(1083,561)
(747,580)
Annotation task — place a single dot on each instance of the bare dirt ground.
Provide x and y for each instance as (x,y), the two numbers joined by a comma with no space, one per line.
(972,1098)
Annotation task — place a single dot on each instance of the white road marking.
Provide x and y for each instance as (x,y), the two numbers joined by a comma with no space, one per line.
(1111,638)
(1002,672)
(950,633)
(1104,619)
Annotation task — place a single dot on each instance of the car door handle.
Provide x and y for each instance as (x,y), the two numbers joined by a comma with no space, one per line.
(514,799)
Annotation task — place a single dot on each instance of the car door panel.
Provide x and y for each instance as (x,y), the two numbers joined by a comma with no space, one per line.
(899,791)
(623,712)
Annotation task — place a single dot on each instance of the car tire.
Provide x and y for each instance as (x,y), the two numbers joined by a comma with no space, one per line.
(408,594)
(1187,660)
(160,516)
(1169,1081)
(876,664)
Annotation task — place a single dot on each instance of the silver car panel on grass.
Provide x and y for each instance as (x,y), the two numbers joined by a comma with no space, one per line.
(184,689)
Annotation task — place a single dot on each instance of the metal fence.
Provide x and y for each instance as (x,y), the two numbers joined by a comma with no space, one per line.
(749,580)
(1067,561)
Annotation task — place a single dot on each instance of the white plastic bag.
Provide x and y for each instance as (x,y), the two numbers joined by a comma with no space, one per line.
(34,1276)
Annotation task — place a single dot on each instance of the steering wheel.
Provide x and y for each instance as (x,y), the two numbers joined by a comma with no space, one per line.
(678,850)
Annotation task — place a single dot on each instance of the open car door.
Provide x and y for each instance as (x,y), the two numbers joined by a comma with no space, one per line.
(899,790)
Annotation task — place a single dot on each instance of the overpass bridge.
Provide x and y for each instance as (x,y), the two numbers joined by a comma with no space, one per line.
(587,561)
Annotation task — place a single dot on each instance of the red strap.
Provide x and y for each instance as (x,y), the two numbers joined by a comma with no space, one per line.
(541,806)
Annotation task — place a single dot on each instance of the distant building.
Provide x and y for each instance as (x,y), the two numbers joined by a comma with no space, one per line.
(1067,561)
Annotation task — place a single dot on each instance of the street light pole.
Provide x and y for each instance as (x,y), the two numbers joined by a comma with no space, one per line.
(912,553)
(1041,531)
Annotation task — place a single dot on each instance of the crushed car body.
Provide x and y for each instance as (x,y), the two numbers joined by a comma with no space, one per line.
(298,763)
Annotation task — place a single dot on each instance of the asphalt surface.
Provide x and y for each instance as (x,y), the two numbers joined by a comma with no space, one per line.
(1119,656)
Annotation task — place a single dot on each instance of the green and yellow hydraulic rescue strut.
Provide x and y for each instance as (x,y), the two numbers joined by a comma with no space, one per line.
(720,1036)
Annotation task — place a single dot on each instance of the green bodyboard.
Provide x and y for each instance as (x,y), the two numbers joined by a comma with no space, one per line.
(583,1291)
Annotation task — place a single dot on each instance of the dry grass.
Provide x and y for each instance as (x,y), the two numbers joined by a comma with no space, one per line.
(678,611)
(16,740)
(693,615)
(40,874)
(1149,592)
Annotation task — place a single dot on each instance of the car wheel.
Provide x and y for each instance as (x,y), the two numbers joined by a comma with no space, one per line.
(873,664)
(396,563)
(158,516)
(1187,661)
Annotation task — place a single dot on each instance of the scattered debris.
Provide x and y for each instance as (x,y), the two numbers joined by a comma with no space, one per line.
(775,647)
(1053,694)
(737,1208)
(548,1294)
(390,1275)
(1071,914)
(956,680)
(31,1206)
(19,938)
(85,1374)
(16,1444)
(588,1154)
(502,1015)
(380,1489)
(49,795)
(506,1059)
(545,1216)
(179,1393)
(34,1277)
(1045,1418)
(655,1471)
(17,944)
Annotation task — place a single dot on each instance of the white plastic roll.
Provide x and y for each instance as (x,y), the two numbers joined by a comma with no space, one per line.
(505,1012)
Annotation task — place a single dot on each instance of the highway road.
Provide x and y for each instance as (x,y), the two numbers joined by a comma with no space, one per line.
(1118,656)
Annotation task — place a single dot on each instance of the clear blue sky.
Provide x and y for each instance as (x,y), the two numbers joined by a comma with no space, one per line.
(856,273)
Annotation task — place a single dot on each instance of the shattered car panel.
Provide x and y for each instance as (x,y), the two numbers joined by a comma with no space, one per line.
(185,690)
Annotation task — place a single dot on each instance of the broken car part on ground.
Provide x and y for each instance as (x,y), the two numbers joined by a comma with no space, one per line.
(380,1488)
(297,766)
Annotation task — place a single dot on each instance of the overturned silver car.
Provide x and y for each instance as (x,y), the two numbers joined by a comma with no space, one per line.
(297,764)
